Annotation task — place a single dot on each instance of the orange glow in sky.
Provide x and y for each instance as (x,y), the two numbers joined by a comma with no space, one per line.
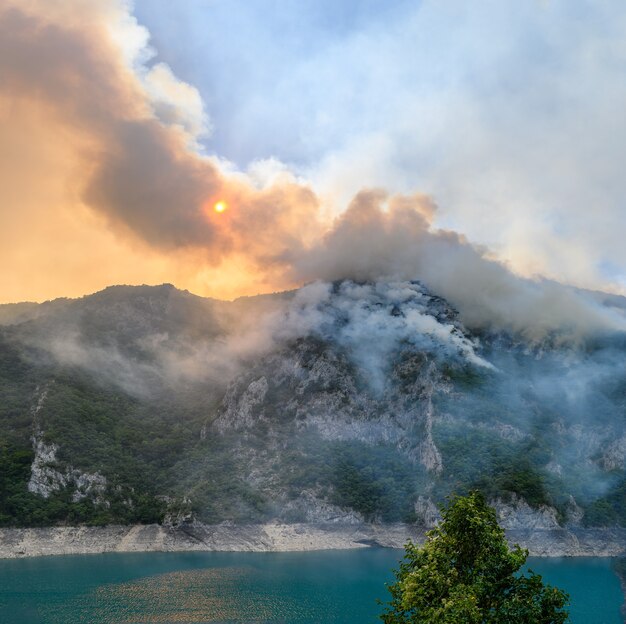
(220,206)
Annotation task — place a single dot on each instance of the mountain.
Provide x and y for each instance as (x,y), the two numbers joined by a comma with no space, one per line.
(338,402)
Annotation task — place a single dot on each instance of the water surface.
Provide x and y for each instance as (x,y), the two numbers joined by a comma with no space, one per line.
(338,587)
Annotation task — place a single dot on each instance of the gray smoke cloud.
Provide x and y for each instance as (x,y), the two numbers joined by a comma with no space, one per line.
(141,172)
(372,322)
(379,236)
(138,164)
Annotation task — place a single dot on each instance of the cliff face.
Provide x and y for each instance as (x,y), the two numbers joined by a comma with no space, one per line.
(313,388)
(536,428)
(45,478)
(352,399)
(339,404)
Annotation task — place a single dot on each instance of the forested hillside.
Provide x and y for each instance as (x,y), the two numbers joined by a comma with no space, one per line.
(340,402)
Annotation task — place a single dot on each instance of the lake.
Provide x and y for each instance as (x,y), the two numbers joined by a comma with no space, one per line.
(313,587)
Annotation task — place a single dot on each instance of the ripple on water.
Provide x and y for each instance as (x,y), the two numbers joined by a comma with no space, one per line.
(193,596)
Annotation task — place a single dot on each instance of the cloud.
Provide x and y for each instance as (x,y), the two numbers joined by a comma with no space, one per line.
(119,186)
(129,128)
(175,102)
(510,118)
(509,114)
(379,236)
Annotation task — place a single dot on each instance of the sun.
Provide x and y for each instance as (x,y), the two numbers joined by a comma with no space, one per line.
(220,206)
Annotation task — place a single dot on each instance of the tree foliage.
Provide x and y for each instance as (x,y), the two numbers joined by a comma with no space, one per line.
(466,572)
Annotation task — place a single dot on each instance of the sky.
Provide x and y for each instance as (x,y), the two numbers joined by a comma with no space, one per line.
(497,127)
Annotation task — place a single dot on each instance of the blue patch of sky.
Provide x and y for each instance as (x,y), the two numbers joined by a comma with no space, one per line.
(240,54)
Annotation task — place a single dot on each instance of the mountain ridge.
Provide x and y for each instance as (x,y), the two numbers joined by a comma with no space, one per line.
(345,400)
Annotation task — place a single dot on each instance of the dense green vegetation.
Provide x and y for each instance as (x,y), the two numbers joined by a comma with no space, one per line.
(19,507)
(151,454)
(466,572)
(103,431)
(609,509)
(375,481)
(495,466)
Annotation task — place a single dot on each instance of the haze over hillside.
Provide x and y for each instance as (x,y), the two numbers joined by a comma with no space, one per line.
(338,402)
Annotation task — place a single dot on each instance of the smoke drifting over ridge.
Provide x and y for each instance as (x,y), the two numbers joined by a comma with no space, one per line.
(368,241)
(129,131)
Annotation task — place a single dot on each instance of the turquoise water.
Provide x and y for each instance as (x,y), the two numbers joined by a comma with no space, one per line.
(318,587)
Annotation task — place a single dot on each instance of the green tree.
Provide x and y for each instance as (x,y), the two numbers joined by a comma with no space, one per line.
(466,573)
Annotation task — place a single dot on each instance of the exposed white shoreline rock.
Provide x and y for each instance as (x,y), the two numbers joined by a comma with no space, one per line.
(276,537)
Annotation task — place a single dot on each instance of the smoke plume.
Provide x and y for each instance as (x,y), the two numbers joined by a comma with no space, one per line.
(136,187)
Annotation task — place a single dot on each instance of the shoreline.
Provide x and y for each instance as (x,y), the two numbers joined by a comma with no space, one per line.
(274,537)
